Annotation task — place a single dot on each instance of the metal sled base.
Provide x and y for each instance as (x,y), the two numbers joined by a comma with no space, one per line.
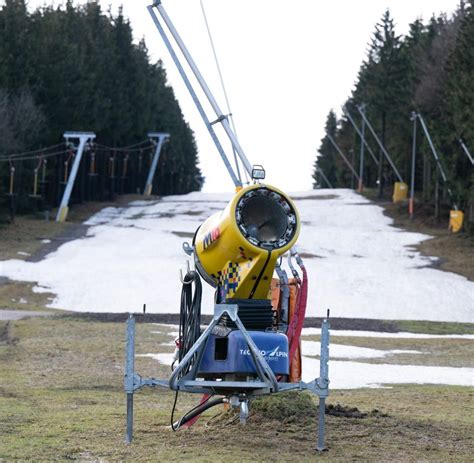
(240,392)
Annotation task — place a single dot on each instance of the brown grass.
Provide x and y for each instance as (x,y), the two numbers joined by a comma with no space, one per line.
(61,399)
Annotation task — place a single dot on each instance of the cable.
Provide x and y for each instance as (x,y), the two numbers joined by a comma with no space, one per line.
(41,150)
(189,333)
(223,88)
(194,412)
(28,158)
(190,316)
(38,152)
(123,148)
(101,148)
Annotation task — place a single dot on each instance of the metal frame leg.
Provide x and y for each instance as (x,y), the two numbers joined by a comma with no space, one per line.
(321,424)
(129,376)
(129,435)
(323,382)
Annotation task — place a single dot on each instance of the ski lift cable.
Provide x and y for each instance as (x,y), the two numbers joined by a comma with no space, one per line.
(122,151)
(26,153)
(123,148)
(224,90)
(29,158)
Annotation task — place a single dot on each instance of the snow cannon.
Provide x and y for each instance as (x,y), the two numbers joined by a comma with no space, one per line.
(251,344)
(235,250)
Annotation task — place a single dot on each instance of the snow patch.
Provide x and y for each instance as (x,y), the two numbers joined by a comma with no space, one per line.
(377,334)
(354,375)
(367,269)
(313,348)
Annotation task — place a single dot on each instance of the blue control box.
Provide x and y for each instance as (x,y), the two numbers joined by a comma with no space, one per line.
(231,355)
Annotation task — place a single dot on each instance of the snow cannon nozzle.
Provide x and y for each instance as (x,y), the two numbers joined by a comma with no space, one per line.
(236,250)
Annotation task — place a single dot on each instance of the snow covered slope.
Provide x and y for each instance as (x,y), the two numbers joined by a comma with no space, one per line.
(359,264)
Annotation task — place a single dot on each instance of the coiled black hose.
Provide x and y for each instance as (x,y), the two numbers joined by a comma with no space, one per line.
(189,332)
(190,316)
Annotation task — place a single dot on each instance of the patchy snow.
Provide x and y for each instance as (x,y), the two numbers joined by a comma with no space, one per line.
(21,253)
(378,334)
(313,348)
(45,241)
(353,375)
(164,358)
(363,267)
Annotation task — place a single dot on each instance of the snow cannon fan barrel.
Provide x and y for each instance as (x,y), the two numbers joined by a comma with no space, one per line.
(236,249)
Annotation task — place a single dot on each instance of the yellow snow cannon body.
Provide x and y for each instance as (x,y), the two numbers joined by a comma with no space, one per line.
(236,249)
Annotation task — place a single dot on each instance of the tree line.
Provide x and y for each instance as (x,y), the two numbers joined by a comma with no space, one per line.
(78,68)
(429,71)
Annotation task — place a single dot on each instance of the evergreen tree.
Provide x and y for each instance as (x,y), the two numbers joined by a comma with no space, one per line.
(78,68)
(327,160)
(381,87)
(459,98)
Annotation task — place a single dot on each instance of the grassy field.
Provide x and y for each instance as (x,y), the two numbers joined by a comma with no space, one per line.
(61,399)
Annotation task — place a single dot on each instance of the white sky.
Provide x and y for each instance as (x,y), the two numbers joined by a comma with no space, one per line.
(285,65)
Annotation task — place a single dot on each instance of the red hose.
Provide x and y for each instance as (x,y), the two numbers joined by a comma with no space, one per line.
(297,321)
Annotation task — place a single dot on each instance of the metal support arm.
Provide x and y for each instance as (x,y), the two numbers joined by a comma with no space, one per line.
(361,134)
(343,156)
(194,96)
(219,114)
(468,154)
(377,139)
(161,138)
(437,159)
(83,137)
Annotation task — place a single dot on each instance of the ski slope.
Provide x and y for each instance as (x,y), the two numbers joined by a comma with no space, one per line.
(360,265)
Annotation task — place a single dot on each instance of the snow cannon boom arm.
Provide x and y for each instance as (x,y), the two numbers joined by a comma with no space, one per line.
(236,249)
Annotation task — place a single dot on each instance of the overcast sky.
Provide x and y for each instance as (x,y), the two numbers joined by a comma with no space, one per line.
(285,65)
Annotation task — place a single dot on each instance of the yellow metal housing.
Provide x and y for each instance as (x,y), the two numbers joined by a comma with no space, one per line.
(236,249)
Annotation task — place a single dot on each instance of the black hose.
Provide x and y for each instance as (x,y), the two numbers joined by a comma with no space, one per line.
(190,316)
(196,411)
(189,330)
